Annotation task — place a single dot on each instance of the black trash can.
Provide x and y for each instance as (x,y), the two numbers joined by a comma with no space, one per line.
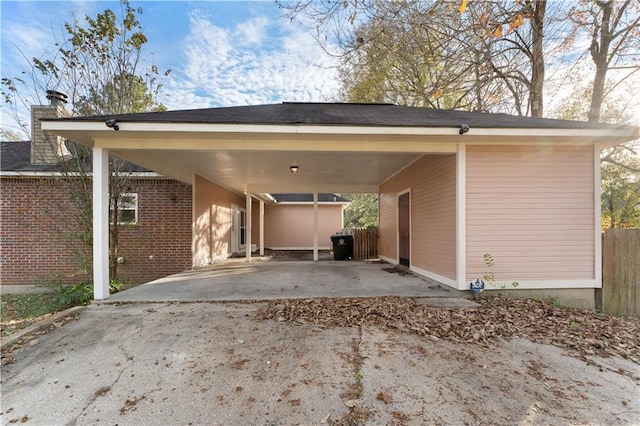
(342,247)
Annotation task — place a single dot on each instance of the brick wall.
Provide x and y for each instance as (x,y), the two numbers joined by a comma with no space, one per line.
(38,222)
(160,243)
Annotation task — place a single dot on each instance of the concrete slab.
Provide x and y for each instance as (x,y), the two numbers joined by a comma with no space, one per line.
(206,363)
(220,364)
(236,280)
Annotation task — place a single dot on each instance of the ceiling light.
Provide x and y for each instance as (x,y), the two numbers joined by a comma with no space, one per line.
(294,169)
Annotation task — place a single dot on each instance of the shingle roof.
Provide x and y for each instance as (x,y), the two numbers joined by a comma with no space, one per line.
(308,198)
(346,114)
(14,155)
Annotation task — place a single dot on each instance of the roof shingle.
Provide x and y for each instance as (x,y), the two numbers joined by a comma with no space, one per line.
(345,114)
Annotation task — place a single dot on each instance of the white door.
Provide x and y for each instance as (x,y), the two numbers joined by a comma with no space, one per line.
(238,228)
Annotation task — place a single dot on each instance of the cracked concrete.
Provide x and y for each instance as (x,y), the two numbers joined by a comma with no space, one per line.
(216,363)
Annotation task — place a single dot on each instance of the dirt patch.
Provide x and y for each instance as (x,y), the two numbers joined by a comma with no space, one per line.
(292,255)
(396,270)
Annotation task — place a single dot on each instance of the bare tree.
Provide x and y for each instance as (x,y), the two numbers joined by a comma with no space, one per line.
(613,28)
(478,56)
(98,66)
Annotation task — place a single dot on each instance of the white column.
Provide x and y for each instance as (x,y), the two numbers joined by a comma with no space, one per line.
(461,218)
(261,228)
(247,228)
(597,207)
(100,223)
(315,226)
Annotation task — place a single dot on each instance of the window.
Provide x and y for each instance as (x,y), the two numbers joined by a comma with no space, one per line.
(127,209)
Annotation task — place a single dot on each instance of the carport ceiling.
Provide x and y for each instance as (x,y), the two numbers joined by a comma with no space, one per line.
(269,171)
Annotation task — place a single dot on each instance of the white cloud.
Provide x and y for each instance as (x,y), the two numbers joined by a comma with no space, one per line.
(257,61)
(251,32)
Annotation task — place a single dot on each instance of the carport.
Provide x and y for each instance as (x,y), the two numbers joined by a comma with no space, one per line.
(245,153)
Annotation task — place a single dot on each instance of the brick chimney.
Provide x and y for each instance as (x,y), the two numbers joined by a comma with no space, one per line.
(48,148)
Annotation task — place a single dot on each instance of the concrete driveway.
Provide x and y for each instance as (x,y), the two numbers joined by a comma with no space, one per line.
(264,279)
(223,364)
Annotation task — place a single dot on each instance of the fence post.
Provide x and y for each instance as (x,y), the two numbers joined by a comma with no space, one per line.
(621,272)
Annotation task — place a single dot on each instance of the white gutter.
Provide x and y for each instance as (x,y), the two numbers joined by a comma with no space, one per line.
(84,126)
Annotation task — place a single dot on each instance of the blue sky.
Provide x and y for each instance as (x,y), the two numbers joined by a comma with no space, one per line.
(221,53)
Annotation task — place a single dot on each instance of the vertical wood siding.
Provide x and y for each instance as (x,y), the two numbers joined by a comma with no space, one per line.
(289,226)
(621,272)
(432,181)
(212,221)
(532,209)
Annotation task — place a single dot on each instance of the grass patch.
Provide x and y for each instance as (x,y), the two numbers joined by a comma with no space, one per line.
(18,311)
(16,307)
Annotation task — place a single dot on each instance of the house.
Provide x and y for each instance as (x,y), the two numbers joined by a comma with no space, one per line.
(40,221)
(453,186)
(294,212)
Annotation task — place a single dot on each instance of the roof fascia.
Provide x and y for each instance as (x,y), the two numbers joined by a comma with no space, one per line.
(628,131)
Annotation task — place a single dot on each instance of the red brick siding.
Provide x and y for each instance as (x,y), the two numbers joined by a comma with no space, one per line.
(35,216)
(160,243)
(32,245)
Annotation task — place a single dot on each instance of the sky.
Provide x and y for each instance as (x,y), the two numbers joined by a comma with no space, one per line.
(221,53)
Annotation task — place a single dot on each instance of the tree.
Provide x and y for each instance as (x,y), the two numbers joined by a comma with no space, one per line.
(621,193)
(483,56)
(362,211)
(97,66)
(614,31)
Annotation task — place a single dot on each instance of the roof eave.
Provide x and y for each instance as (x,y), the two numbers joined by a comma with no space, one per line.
(86,132)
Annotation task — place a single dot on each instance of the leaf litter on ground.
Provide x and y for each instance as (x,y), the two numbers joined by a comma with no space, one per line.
(584,333)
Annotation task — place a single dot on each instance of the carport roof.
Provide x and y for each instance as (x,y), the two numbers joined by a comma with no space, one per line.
(342,148)
(346,114)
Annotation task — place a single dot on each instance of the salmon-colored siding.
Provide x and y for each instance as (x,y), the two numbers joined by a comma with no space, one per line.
(291,225)
(212,221)
(432,183)
(532,209)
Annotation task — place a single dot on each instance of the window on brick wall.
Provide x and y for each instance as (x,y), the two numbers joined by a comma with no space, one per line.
(127,209)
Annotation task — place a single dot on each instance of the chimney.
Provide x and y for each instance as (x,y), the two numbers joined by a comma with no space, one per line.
(47,148)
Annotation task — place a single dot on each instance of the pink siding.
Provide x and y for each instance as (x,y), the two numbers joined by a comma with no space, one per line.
(387,222)
(291,225)
(532,209)
(432,181)
(212,221)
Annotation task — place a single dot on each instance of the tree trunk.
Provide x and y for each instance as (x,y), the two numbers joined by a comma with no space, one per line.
(599,50)
(537,59)
(113,236)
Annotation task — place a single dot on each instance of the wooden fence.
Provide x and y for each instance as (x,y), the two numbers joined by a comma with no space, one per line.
(365,243)
(621,272)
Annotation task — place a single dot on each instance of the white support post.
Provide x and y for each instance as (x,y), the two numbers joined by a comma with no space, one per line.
(461,217)
(315,226)
(247,231)
(261,228)
(597,207)
(100,223)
